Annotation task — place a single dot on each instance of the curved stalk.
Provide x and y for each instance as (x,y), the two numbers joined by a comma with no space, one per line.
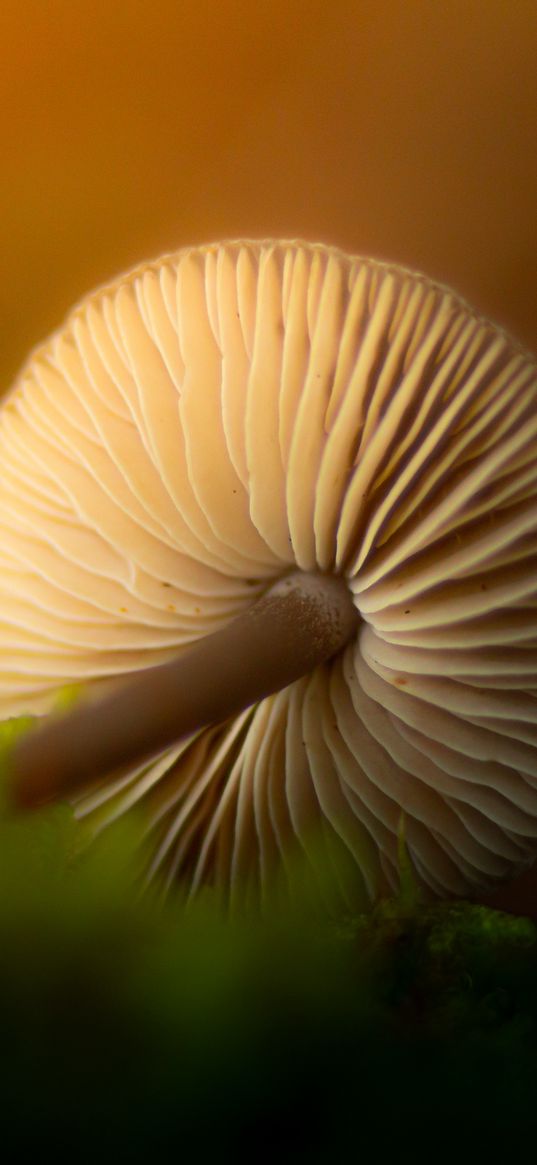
(300,622)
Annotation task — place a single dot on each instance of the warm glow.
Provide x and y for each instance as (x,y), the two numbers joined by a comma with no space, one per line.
(405,131)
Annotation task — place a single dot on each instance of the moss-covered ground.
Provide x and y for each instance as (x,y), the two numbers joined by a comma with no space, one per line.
(137,1031)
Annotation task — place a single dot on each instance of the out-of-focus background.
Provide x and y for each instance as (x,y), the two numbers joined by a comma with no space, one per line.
(405,129)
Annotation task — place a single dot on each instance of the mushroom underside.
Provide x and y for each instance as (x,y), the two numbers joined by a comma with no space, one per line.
(228,414)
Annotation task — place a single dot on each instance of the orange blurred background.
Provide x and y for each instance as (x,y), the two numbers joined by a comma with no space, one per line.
(405,129)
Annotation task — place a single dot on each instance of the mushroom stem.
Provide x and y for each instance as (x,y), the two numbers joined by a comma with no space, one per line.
(301,621)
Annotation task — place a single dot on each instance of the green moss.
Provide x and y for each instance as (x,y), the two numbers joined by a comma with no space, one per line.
(153,1031)
(10,731)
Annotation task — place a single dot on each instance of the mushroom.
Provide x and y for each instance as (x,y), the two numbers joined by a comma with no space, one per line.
(236,423)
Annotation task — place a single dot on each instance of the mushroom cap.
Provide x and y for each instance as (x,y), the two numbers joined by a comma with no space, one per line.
(227,413)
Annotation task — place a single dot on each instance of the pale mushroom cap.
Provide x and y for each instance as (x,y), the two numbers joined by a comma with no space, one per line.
(224,414)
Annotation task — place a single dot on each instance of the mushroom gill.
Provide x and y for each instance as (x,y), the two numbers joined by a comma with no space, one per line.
(229,414)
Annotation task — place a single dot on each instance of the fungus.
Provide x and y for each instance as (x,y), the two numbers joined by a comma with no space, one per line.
(232,416)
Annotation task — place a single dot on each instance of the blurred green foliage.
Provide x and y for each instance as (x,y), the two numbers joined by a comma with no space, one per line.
(142,1030)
